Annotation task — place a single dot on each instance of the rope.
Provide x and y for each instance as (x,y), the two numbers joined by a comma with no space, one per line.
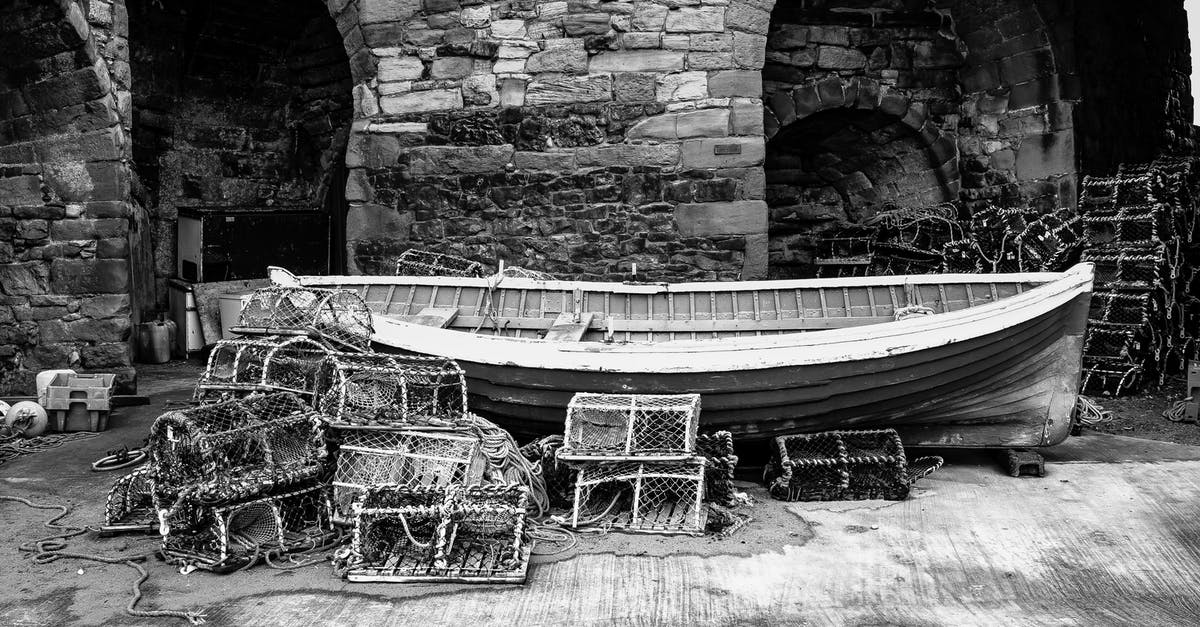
(53,547)
(1090,413)
(14,446)
(407,532)
(1177,412)
(503,454)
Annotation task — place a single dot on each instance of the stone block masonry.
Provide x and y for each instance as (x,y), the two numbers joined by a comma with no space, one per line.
(572,137)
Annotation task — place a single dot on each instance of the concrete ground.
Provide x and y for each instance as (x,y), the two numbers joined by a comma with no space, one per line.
(1110,536)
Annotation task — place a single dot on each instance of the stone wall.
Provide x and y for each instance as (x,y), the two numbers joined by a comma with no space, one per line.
(65,212)
(236,105)
(574,137)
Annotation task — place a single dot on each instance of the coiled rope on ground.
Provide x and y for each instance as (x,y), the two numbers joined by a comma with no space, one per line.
(54,547)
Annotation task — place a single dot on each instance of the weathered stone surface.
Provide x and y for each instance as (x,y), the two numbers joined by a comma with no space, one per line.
(451,67)
(480,90)
(649,17)
(1045,156)
(563,161)
(576,24)
(391,11)
(106,355)
(721,218)
(749,51)
(657,127)
(637,61)
(476,17)
(508,29)
(732,152)
(634,86)
(563,55)
(696,20)
(569,89)
(366,222)
(104,306)
(662,155)
(745,17)
(421,101)
(89,276)
(735,84)
(838,58)
(23,278)
(392,69)
(432,160)
(703,123)
(682,86)
(747,118)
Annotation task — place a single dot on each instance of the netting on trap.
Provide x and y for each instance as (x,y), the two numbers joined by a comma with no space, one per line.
(648,497)
(370,456)
(843,465)
(720,463)
(1051,243)
(234,450)
(1128,224)
(248,365)
(414,262)
(1121,307)
(1117,341)
(1133,267)
(339,318)
(620,426)
(1110,377)
(235,536)
(130,504)
(391,390)
(456,533)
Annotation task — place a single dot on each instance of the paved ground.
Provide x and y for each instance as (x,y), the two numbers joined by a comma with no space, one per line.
(1110,536)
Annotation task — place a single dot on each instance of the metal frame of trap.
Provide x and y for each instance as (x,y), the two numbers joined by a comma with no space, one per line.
(129,506)
(336,317)
(234,450)
(369,456)
(369,389)
(249,365)
(664,497)
(472,534)
(627,427)
(298,520)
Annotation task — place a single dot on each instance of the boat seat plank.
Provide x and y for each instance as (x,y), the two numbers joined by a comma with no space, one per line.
(567,329)
(439,317)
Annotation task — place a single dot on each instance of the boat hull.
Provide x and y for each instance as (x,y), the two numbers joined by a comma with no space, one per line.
(1015,389)
(998,373)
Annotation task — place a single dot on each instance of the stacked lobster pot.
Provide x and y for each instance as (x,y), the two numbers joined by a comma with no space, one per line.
(844,466)
(285,334)
(410,472)
(1140,226)
(636,462)
(237,482)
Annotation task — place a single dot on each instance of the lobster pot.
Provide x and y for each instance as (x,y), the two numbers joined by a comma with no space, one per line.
(468,534)
(130,504)
(843,466)
(372,456)
(720,463)
(249,365)
(1110,376)
(1139,223)
(648,497)
(235,450)
(619,426)
(234,536)
(1129,267)
(338,318)
(413,262)
(391,390)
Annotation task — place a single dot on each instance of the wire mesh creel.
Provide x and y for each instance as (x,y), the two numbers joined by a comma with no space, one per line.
(248,365)
(129,506)
(338,318)
(235,536)
(467,534)
(622,426)
(357,389)
(843,466)
(641,496)
(369,456)
(234,450)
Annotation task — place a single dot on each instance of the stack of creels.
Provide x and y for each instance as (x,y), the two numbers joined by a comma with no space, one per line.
(912,240)
(239,481)
(243,366)
(636,462)
(362,390)
(427,534)
(338,319)
(1140,226)
(843,466)
(413,262)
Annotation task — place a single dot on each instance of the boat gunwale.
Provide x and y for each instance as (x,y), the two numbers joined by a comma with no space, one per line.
(876,341)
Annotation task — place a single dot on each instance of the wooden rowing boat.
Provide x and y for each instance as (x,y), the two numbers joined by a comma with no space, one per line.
(995,363)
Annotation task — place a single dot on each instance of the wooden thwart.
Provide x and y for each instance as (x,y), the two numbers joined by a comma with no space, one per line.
(569,328)
(439,317)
